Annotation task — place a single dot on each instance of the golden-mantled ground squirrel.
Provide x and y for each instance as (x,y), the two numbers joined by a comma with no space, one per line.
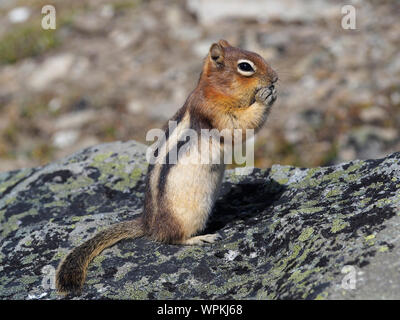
(235,91)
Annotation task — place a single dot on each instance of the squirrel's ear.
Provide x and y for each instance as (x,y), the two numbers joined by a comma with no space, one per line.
(217,54)
(224,44)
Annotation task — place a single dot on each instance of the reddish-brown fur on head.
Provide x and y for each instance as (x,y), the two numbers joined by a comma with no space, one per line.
(224,85)
(223,95)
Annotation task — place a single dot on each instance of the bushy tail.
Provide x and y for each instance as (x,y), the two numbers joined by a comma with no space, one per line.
(71,272)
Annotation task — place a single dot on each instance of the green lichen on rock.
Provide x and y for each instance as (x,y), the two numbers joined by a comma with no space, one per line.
(307,232)
(286,232)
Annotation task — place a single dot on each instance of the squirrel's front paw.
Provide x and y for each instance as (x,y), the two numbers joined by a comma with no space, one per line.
(267,95)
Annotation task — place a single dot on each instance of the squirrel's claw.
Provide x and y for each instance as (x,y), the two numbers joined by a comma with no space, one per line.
(267,95)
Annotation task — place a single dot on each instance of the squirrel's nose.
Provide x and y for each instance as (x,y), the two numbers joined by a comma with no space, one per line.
(274,78)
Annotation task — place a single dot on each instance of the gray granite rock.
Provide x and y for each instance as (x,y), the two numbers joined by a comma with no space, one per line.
(287,233)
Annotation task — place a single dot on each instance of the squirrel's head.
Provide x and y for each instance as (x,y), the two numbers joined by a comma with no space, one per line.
(232,76)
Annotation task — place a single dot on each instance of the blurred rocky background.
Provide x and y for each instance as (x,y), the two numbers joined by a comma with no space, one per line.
(114,69)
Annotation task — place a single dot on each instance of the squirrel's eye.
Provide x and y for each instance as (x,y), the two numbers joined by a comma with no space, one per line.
(246,67)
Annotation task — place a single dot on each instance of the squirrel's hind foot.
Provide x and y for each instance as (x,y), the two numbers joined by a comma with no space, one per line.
(201,240)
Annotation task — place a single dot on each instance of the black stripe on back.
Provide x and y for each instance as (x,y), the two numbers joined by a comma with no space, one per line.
(166,167)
